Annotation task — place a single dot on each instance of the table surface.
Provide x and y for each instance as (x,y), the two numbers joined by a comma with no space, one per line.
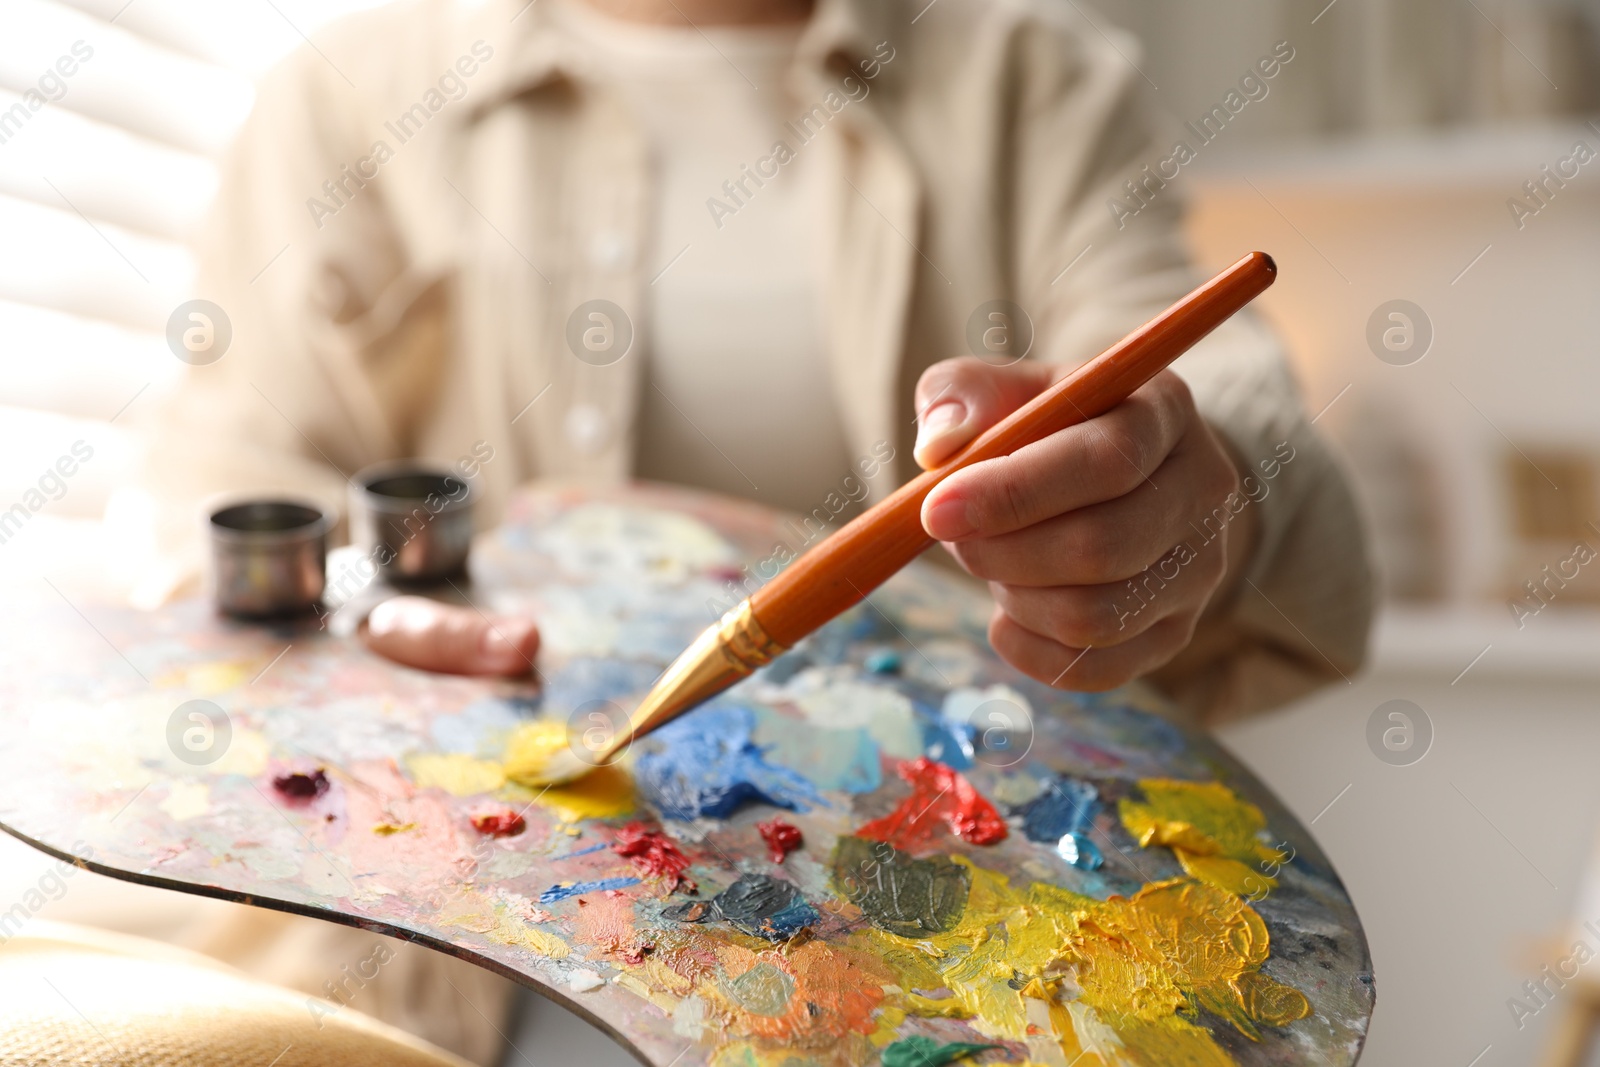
(315,778)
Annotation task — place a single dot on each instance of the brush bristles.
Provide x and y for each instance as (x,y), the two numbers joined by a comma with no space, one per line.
(564,766)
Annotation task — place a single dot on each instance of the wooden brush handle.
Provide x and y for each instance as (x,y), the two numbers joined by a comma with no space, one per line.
(862,555)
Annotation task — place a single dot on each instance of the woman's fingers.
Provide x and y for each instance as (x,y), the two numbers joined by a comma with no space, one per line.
(1094,462)
(432,636)
(958,399)
(1101,616)
(1090,669)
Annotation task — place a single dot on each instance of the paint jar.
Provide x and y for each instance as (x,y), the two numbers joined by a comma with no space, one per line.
(268,556)
(413,519)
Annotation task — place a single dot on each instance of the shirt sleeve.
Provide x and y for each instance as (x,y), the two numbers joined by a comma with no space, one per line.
(336,340)
(1088,273)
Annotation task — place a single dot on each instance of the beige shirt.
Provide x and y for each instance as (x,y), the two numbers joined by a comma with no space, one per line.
(732,314)
(417,207)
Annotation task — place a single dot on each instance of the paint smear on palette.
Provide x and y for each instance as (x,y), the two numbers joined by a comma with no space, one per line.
(781,837)
(919,1051)
(939,796)
(818,996)
(188,800)
(1213,833)
(706,765)
(564,890)
(457,774)
(654,855)
(605,921)
(756,904)
(1061,816)
(406,836)
(833,702)
(833,759)
(1142,965)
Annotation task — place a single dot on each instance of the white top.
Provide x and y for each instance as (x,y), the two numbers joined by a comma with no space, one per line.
(738,397)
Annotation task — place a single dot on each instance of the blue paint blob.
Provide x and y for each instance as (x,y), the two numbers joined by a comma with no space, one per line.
(947,740)
(1081,852)
(949,743)
(564,890)
(757,904)
(883,661)
(707,765)
(1062,815)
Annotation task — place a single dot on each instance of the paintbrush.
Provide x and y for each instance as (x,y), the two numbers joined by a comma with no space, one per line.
(840,571)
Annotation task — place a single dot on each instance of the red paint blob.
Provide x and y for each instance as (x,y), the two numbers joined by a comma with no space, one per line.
(938,795)
(781,838)
(655,855)
(302,785)
(501,823)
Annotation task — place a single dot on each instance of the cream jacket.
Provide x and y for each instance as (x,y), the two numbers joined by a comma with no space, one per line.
(420,201)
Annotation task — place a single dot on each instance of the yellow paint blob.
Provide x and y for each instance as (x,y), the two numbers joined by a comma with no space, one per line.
(1237,878)
(603,793)
(1121,977)
(541,941)
(389,829)
(1213,833)
(1205,940)
(531,747)
(456,774)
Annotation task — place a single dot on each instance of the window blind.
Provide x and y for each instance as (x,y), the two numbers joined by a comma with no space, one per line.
(113,114)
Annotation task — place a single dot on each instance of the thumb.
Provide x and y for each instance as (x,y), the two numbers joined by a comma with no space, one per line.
(958,399)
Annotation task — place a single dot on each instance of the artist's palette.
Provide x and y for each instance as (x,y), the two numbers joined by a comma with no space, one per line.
(885,846)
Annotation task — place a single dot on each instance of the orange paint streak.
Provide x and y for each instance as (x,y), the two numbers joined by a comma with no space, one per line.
(836,992)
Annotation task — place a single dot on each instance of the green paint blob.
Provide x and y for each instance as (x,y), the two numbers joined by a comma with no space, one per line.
(904,896)
(926,1052)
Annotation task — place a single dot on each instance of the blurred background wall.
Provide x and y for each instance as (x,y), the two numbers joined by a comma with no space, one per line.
(1383,166)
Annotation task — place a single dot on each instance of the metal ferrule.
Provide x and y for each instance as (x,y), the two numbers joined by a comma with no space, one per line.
(723,655)
(745,644)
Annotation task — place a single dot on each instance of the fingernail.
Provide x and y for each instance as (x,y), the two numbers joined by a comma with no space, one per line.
(935,429)
(949,520)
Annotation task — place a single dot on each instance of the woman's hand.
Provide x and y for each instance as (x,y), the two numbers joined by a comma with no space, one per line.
(431,636)
(1102,543)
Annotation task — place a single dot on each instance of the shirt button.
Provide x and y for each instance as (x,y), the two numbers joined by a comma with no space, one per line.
(587,428)
(610,250)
